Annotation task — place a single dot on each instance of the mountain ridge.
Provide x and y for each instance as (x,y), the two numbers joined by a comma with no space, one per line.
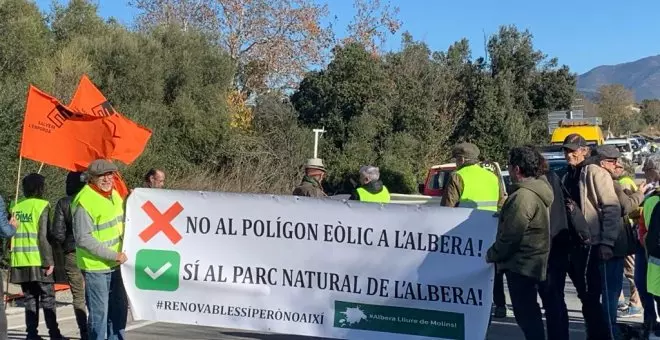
(641,76)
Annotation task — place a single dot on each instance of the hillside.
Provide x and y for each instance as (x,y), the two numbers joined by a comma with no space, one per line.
(641,76)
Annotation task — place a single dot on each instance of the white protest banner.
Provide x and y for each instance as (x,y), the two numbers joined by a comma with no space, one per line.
(304,266)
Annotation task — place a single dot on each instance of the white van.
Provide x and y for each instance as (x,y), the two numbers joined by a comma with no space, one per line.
(623,144)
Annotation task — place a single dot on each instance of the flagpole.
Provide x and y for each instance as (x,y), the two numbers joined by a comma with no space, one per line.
(40,167)
(18,185)
(18,177)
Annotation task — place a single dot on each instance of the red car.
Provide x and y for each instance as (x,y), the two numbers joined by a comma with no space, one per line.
(438,176)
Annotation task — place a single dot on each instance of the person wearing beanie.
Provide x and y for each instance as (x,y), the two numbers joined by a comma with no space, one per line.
(32,263)
(62,234)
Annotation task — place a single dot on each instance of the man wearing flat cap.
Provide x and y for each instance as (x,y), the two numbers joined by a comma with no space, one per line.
(608,156)
(590,188)
(471,186)
(98,227)
(311,182)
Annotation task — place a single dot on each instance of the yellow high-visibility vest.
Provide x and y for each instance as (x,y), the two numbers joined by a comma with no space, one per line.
(108,226)
(382,197)
(653,266)
(25,243)
(481,188)
(627,181)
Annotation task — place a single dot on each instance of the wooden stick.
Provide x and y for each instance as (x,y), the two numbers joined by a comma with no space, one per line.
(18,178)
(18,185)
(40,167)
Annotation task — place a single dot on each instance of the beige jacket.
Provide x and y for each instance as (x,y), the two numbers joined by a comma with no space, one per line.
(600,205)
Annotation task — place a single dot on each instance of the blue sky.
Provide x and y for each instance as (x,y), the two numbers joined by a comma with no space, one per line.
(582,33)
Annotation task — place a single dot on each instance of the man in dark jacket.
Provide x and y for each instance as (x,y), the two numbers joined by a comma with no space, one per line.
(522,243)
(552,290)
(585,259)
(62,234)
(372,188)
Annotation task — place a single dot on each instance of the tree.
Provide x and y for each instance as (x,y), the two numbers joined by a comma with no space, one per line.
(615,107)
(188,14)
(77,18)
(272,42)
(651,112)
(510,93)
(371,24)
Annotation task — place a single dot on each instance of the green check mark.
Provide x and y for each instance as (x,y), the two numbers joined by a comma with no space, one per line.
(157,270)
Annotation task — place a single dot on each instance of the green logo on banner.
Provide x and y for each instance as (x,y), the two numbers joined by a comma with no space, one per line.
(412,321)
(157,270)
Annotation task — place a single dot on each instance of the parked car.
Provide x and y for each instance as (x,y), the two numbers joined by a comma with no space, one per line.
(438,175)
(638,154)
(624,147)
(556,160)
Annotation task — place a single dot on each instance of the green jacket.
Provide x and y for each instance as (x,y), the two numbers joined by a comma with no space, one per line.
(522,243)
(309,187)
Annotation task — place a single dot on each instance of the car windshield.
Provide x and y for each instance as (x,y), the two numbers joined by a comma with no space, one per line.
(559,166)
(623,147)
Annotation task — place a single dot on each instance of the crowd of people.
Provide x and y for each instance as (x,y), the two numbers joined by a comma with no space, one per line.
(593,224)
(88,227)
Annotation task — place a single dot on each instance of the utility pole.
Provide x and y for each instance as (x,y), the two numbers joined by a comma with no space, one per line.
(317,132)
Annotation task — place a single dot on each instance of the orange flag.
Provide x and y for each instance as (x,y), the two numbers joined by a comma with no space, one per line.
(130,138)
(55,135)
(89,100)
(120,186)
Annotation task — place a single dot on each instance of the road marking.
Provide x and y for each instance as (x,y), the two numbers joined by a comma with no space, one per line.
(42,322)
(160,271)
(140,325)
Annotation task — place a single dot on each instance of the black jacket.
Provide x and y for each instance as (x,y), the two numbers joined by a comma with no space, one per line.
(629,202)
(62,228)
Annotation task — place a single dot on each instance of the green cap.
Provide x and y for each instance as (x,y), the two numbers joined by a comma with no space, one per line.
(466,151)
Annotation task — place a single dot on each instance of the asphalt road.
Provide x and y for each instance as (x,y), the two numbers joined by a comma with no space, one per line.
(505,329)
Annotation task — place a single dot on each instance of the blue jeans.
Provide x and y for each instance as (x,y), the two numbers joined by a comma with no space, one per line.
(106,305)
(612,284)
(640,282)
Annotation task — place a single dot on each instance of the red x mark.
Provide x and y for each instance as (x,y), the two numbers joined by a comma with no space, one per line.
(161,222)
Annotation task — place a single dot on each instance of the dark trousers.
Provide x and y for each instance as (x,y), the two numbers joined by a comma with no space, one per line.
(552,290)
(523,291)
(584,271)
(3,314)
(75,279)
(498,289)
(42,294)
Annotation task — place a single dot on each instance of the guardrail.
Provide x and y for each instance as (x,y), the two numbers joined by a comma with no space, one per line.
(402,199)
(414,199)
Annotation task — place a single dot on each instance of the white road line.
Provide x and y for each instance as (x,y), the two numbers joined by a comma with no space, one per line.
(140,325)
(42,322)
(59,320)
